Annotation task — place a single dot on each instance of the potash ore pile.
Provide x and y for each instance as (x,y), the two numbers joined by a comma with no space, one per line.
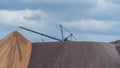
(17,52)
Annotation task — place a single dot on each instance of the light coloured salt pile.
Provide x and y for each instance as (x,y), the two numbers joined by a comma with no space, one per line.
(74,55)
(15,51)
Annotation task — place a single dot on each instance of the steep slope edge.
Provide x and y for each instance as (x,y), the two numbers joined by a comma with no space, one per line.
(117,45)
(15,51)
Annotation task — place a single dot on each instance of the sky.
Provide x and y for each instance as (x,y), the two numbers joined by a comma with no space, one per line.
(88,20)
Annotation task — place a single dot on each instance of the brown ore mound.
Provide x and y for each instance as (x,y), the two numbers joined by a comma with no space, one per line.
(74,55)
(15,51)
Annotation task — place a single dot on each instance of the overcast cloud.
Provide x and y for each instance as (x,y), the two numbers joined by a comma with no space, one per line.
(89,20)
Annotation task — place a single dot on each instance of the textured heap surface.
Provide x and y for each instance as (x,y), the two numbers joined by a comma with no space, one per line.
(74,55)
(118,48)
(15,51)
(117,45)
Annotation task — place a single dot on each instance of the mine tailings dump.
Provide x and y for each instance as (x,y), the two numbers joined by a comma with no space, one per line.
(74,55)
(18,52)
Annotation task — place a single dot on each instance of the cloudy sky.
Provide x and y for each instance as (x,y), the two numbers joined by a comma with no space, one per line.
(89,20)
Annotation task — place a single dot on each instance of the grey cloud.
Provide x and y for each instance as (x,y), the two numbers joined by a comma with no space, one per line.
(114,1)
